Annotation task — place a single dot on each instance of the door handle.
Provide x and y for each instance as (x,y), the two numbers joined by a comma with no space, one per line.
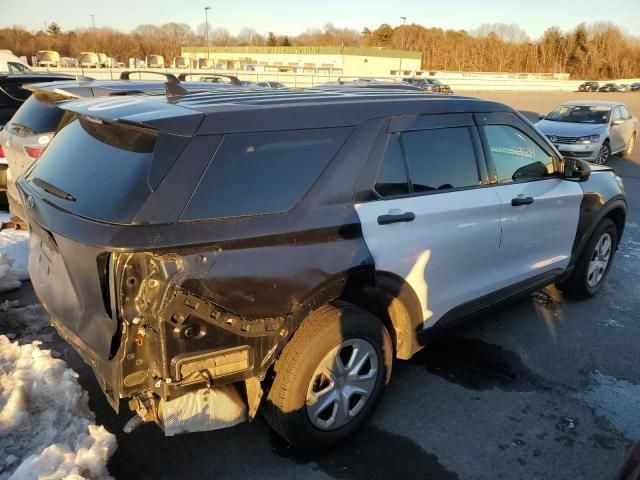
(396,218)
(521,200)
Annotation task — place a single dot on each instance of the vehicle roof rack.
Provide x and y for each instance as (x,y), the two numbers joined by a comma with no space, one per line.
(169,76)
(234,80)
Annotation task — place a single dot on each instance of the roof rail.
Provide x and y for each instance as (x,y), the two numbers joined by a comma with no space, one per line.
(234,80)
(169,76)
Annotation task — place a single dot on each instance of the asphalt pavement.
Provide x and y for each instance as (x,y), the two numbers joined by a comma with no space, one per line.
(542,388)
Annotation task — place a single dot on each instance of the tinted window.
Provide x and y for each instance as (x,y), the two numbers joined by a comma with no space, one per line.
(39,113)
(624,112)
(515,155)
(104,167)
(440,159)
(392,176)
(257,173)
(16,67)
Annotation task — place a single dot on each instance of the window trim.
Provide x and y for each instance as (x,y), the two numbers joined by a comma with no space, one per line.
(404,162)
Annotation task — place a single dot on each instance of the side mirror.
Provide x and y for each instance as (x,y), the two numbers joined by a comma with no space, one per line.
(618,121)
(576,169)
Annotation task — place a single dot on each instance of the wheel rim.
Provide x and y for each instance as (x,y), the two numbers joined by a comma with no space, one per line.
(599,260)
(342,384)
(603,155)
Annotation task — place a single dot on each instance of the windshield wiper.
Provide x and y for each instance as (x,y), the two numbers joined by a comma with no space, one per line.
(53,190)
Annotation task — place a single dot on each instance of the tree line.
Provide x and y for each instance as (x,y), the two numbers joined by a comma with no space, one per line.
(598,50)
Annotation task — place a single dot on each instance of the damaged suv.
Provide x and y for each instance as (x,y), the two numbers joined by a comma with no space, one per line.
(210,247)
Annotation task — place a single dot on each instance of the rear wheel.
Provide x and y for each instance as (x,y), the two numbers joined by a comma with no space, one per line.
(629,150)
(593,265)
(330,377)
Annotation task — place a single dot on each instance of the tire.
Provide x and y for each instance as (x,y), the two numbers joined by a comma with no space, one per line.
(580,284)
(604,154)
(629,150)
(290,409)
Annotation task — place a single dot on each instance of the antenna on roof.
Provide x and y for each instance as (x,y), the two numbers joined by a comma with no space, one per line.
(173,88)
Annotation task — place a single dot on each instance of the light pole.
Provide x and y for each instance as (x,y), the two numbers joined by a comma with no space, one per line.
(404,19)
(93,25)
(206,29)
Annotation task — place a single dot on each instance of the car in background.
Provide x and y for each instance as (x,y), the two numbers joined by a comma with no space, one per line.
(270,84)
(589,87)
(591,131)
(205,63)
(12,95)
(155,61)
(181,62)
(28,133)
(247,83)
(219,78)
(429,84)
(47,58)
(373,83)
(103,60)
(609,87)
(88,60)
(11,63)
(635,87)
(623,87)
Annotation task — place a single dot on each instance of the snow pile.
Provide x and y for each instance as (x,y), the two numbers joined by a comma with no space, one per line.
(14,256)
(46,427)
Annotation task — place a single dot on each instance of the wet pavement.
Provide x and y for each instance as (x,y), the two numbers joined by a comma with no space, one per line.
(544,387)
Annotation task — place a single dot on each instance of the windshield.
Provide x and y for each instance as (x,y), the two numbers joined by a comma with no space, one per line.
(580,114)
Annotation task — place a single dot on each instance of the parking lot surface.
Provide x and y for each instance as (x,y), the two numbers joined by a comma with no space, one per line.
(543,387)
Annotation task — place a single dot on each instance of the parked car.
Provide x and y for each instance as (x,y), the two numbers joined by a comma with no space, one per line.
(218,250)
(47,58)
(247,83)
(155,61)
(608,87)
(11,64)
(592,131)
(103,60)
(29,132)
(181,62)
(635,87)
(272,84)
(623,87)
(369,83)
(88,60)
(589,87)
(12,95)
(429,84)
(205,63)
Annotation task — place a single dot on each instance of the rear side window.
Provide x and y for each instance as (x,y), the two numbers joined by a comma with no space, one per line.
(392,178)
(625,113)
(441,159)
(39,114)
(267,172)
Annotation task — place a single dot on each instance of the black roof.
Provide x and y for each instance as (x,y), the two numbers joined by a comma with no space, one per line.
(244,109)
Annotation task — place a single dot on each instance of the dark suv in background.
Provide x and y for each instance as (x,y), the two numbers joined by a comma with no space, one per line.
(226,251)
(429,84)
(589,87)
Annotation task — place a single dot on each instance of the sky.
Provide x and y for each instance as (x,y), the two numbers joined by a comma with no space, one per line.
(293,17)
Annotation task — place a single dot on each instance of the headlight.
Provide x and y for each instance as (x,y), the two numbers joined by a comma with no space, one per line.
(589,139)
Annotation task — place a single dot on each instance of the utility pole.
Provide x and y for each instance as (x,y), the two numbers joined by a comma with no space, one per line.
(206,29)
(93,25)
(404,19)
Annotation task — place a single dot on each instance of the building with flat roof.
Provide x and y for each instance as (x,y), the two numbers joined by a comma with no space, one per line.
(347,61)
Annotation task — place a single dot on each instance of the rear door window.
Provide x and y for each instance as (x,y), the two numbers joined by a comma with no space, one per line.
(266,172)
(441,159)
(39,113)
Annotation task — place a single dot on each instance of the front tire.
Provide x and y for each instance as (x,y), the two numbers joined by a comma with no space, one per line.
(329,377)
(603,154)
(593,265)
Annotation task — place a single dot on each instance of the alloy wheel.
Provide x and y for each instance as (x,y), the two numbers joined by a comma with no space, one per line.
(342,384)
(599,260)
(603,154)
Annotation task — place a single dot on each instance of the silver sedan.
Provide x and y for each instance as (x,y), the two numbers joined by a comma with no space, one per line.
(591,131)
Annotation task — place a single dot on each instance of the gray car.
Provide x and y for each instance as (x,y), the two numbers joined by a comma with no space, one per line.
(591,131)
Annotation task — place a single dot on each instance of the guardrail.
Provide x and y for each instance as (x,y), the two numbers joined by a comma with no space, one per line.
(308,80)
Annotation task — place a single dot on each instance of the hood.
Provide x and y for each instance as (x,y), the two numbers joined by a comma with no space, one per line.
(568,129)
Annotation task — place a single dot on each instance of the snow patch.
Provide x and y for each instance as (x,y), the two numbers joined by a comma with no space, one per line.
(14,256)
